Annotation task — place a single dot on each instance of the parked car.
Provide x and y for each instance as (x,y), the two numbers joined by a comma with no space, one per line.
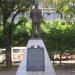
(16,54)
(2,56)
(65,56)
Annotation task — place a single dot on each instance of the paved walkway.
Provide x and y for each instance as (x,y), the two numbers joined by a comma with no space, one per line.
(65,72)
(58,72)
(8,72)
(66,69)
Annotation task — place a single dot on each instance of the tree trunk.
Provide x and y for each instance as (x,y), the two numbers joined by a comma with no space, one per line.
(61,16)
(60,57)
(7,43)
(52,56)
(8,56)
(8,52)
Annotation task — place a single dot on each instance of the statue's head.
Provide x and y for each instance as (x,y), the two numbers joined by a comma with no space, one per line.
(36,5)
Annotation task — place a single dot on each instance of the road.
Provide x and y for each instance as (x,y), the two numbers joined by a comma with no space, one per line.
(8,71)
(58,72)
(63,70)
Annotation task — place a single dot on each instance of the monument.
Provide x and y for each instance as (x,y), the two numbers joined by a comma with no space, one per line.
(36,60)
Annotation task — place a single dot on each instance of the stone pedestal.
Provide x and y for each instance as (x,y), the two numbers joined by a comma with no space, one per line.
(49,70)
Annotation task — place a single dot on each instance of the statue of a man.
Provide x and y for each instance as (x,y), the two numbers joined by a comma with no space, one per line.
(36,16)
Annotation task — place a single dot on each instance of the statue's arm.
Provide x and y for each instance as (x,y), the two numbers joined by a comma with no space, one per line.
(41,14)
(31,14)
(42,18)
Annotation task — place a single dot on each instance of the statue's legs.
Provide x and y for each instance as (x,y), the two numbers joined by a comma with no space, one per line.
(38,30)
(35,30)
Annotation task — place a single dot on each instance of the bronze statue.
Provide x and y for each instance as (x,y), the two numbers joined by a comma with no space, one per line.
(36,16)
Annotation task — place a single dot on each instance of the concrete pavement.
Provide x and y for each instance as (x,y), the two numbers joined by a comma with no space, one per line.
(60,70)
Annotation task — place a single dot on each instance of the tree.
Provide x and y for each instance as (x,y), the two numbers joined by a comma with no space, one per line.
(66,7)
(9,9)
(21,34)
(59,38)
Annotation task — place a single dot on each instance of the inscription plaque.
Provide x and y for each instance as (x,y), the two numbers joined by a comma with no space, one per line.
(35,59)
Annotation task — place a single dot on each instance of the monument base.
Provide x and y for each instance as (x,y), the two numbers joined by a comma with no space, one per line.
(49,70)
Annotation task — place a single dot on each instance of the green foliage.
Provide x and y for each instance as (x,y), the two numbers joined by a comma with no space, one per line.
(62,6)
(1,36)
(21,33)
(20,37)
(60,37)
(57,37)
